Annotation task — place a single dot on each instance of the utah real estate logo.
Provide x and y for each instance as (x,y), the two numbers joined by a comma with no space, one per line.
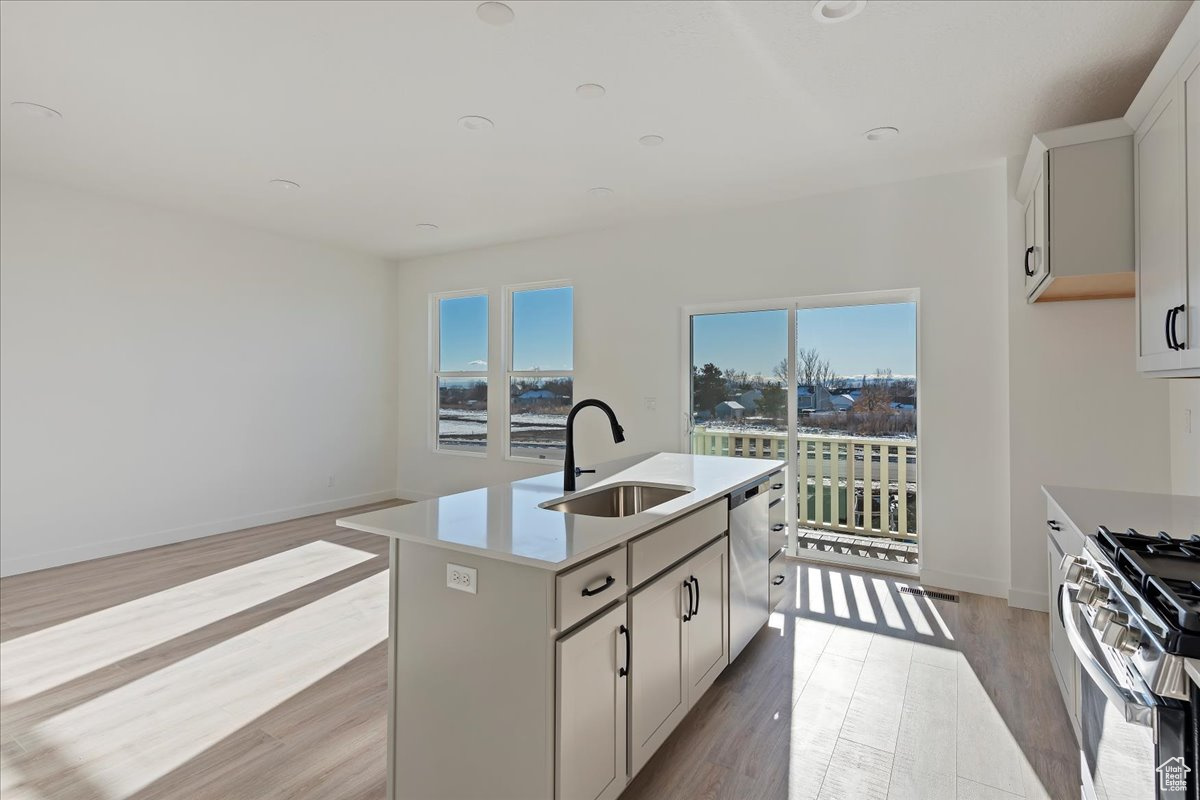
(1173,775)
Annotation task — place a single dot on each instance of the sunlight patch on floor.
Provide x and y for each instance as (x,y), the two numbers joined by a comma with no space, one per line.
(124,740)
(47,658)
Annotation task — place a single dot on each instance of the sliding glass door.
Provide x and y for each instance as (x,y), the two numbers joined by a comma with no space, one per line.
(830,386)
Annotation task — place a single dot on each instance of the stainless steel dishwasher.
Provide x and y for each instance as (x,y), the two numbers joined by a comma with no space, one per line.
(749,556)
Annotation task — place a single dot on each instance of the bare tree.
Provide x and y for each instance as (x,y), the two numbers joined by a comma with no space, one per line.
(812,371)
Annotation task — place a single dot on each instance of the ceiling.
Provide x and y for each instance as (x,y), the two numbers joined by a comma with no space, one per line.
(197,105)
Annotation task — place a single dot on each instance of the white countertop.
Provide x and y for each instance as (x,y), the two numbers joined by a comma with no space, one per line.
(1192,667)
(1088,509)
(505,522)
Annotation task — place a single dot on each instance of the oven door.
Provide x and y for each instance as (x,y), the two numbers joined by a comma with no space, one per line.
(1126,732)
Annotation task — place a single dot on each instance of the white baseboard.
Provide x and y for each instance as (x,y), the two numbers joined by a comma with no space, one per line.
(71,555)
(1028,598)
(964,583)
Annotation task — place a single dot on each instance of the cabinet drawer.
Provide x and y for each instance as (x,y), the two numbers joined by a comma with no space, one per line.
(661,548)
(778,485)
(783,580)
(777,520)
(589,588)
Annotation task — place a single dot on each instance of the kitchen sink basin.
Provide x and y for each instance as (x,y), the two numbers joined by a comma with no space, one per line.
(617,499)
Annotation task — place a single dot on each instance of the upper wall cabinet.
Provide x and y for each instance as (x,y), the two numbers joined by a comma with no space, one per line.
(1166,158)
(1077,189)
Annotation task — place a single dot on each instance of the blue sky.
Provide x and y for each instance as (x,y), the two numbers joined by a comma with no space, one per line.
(856,340)
(542,331)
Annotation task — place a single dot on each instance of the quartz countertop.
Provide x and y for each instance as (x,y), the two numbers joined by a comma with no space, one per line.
(1088,509)
(506,522)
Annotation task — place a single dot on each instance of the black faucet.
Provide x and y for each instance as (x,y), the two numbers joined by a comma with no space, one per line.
(570,471)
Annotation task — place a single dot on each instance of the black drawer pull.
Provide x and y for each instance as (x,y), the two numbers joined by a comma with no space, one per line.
(777,527)
(1029,270)
(623,671)
(696,608)
(778,579)
(609,581)
(687,615)
(1054,526)
(776,486)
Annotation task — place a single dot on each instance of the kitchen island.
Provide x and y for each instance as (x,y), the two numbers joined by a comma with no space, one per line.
(536,653)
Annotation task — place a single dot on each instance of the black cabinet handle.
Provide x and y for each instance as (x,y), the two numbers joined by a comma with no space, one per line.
(1028,252)
(623,671)
(1172,339)
(1168,328)
(696,608)
(778,579)
(777,527)
(776,486)
(1053,523)
(609,581)
(687,615)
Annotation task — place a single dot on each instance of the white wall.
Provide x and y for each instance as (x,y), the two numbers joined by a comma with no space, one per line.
(166,377)
(1080,415)
(944,235)
(1185,435)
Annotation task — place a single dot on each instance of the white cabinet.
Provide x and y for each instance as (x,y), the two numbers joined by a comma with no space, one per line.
(591,709)
(1167,223)
(1077,190)
(681,643)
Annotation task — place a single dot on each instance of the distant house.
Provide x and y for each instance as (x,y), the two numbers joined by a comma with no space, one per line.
(841,402)
(750,400)
(904,405)
(730,409)
(813,399)
(536,396)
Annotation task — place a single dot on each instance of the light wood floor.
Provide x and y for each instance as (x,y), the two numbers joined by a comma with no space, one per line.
(253,665)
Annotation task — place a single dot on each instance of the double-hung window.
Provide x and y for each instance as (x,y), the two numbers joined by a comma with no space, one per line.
(460,356)
(540,370)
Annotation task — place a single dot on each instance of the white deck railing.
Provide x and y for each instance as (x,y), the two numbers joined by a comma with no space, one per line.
(854,484)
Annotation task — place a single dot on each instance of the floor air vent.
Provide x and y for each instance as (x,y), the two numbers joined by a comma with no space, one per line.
(953,598)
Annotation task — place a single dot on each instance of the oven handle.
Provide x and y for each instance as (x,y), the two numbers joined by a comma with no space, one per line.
(1135,710)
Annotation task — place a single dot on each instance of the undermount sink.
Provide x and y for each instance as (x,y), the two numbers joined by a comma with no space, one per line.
(617,499)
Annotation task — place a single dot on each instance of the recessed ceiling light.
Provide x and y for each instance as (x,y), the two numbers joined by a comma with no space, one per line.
(589,91)
(879,134)
(600,191)
(280,183)
(831,11)
(651,140)
(472,123)
(428,226)
(36,110)
(494,13)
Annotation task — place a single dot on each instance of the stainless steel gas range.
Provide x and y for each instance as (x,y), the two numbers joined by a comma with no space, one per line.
(1130,605)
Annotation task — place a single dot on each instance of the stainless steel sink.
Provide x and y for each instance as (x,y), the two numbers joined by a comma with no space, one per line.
(617,499)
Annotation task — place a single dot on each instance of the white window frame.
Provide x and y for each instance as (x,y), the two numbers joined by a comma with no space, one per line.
(510,373)
(437,373)
(794,305)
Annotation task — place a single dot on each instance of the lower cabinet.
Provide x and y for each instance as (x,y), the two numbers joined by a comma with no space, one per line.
(1062,657)
(680,624)
(592,710)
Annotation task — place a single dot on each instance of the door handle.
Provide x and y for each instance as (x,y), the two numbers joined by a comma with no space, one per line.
(1028,252)
(1053,525)
(609,581)
(1172,337)
(696,607)
(1168,328)
(778,526)
(778,579)
(623,671)
(687,615)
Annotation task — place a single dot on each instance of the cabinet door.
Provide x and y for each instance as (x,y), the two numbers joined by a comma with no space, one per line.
(1062,657)
(707,629)
(1189,322)
(1039,258)
(1160,224)
(658,697)
(591,710)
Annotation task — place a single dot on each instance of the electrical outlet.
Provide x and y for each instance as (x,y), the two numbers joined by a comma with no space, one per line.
(462,578)
(331,481)
(651,403)
(1187,420)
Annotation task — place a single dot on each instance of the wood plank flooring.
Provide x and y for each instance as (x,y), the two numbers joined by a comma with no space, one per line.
(253,665)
